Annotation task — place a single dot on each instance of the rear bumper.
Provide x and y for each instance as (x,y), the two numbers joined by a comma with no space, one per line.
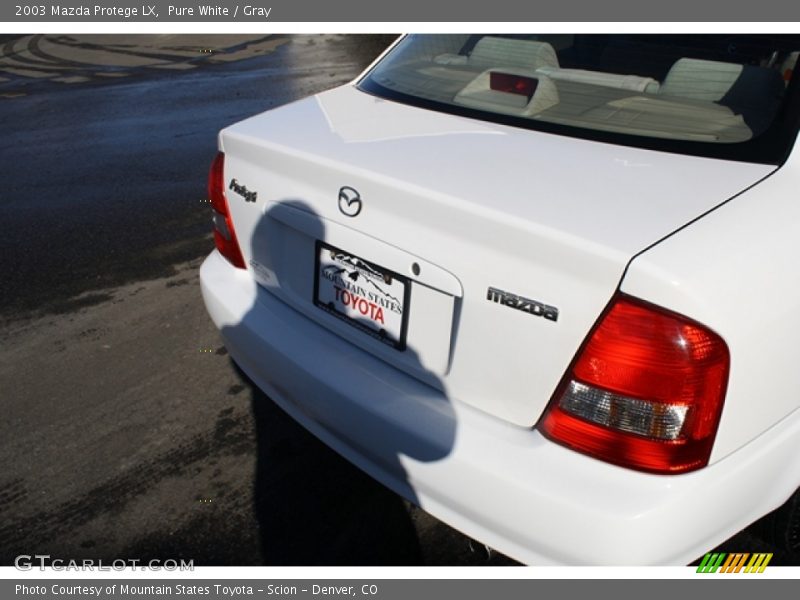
(504,485)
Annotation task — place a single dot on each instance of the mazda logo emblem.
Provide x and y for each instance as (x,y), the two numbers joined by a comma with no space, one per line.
(349,202)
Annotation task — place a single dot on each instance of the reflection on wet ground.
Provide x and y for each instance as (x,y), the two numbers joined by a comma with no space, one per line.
(107,176)
(72,59)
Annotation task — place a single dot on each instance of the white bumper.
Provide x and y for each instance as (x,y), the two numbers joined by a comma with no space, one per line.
(504,485)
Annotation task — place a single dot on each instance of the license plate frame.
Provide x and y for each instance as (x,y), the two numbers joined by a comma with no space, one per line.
(377,296)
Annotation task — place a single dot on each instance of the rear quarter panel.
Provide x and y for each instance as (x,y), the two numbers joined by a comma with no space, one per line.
(736,271)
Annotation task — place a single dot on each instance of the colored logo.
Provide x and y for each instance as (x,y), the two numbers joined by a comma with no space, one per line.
(734,562)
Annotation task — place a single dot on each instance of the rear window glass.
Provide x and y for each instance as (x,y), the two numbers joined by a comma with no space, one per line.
(728,96)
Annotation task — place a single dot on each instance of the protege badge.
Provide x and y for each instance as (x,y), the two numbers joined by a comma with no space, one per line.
(524,304)
(242,190)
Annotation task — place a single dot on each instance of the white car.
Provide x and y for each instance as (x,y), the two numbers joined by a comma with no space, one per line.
(546,287)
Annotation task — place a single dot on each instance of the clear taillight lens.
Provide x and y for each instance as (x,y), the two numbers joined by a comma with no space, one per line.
(645,391)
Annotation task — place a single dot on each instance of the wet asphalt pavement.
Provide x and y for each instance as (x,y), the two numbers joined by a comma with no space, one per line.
(127,430)
(104,178)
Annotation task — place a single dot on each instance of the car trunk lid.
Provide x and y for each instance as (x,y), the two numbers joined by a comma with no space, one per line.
(510,242)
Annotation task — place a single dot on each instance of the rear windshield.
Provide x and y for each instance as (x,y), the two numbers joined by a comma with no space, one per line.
(725,96)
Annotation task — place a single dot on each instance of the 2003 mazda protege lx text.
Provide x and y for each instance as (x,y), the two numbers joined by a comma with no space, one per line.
(545,286)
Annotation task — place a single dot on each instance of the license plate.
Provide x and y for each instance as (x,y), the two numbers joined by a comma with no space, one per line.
(363,294)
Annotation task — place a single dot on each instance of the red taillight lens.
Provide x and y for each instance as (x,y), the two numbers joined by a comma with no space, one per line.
(513,84)
(224,234)
(645,391)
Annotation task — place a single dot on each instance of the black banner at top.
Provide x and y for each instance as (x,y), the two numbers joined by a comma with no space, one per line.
(281,11)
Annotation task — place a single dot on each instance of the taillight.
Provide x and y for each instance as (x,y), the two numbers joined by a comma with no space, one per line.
(645,390)
(513,84)
(224,234)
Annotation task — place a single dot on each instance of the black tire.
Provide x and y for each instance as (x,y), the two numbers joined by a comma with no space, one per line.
(782,526)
